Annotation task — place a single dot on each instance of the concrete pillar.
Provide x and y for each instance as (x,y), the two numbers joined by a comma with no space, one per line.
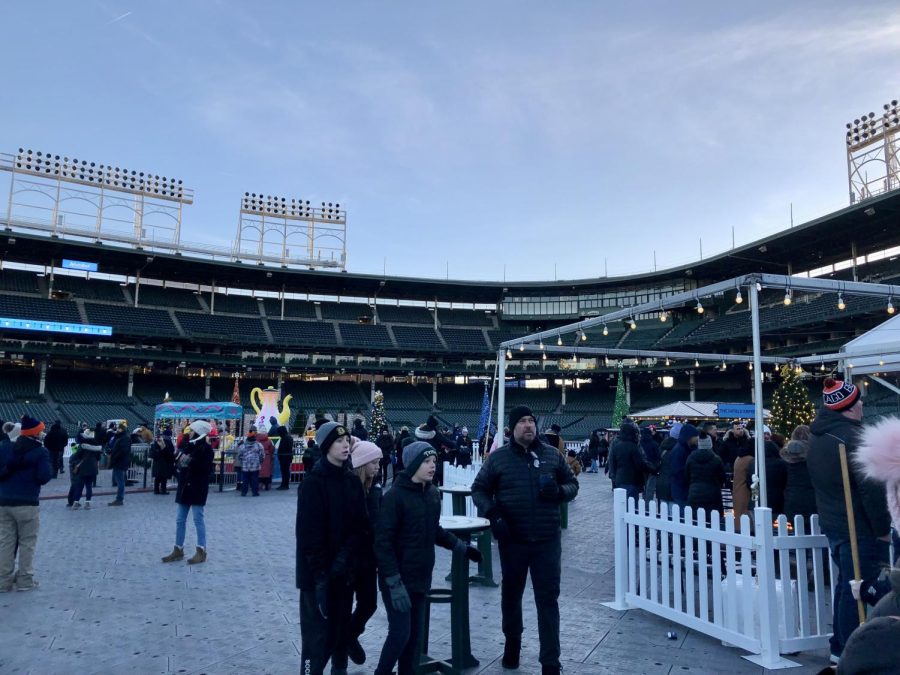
(42,388)
(280,380)
(434,391)
(131,382)
(372,392)
(206,387)
(628,390)
(564,391)
(693,387)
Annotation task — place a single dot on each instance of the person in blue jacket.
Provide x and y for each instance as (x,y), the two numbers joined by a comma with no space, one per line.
(24,468)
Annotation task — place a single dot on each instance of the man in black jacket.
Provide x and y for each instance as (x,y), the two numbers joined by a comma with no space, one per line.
(519,489)
(838,422)
(284,450)
(55,442)
(119,461)
(332,523)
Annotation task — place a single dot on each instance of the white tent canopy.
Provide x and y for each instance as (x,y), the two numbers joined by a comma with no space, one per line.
(886,337)
(684,409)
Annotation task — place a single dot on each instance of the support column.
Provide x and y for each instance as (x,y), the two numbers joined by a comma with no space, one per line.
(693,386)
(564,391)
(372,391)
(434,391)
(280,380)
(130,381)
(206,387)
(50,280)
(212,298)
(137,287)
(758,397)
(853,254)
(42,387)
(628,390)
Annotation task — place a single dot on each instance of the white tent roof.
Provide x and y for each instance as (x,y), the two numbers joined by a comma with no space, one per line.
(884,336)
(688,409)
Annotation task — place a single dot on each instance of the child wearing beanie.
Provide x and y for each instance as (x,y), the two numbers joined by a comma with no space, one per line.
(408,529)
(332,526)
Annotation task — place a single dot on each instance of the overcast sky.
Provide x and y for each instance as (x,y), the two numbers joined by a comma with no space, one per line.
(519,138)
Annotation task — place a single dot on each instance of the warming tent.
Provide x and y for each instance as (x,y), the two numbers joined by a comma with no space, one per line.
(694,410)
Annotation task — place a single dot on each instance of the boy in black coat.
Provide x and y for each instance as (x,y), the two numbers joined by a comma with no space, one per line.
(408,529)
(332,522)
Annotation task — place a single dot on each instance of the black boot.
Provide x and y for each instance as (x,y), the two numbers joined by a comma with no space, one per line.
(511,653)
(551,670)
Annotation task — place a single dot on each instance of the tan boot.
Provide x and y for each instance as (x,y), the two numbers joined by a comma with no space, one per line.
(198,557)
(176,554)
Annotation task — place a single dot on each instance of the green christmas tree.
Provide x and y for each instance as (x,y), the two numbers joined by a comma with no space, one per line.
(379,421)
(791,406)
(620,409)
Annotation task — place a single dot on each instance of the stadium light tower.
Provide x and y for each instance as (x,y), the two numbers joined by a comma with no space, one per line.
(271,229)
(873,165)
(48,191)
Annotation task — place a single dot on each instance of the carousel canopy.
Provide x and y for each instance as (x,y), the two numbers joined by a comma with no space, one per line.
(204,410)
(697,410)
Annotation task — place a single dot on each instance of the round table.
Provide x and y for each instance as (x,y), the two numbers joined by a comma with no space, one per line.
(460,640)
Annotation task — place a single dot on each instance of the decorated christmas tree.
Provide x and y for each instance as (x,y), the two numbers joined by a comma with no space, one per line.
(620,409)
(791,406)
(379,421)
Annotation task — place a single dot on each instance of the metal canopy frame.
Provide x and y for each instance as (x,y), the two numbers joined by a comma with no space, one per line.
(754,283)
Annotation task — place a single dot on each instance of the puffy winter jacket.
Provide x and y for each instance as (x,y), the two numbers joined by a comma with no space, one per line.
(678,459)
(120,456)
(509,483)
(664,479)
(331,523)
(627,463)
(650,447)
(193,479)
(24,468)
(829,429)
(408,529)
(705,474)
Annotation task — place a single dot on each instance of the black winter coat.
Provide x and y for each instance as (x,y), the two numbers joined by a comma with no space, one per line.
(627,463)
(56,439)
(285,444)
(408,529)
(508,485)
(331,526)
(120,456)
(705,474)
(733,447)
(193,479)
(163,459)
(829,429)
(88,457)
(776,478)
(799,494)
(664,478)
(650,448)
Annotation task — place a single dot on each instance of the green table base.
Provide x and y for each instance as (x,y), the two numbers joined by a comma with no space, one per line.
(485,576)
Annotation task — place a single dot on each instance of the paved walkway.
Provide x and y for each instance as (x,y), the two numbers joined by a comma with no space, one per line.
(107,604)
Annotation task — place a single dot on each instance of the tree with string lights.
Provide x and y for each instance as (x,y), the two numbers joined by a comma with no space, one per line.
(791,405)
(379,421)
(620,408)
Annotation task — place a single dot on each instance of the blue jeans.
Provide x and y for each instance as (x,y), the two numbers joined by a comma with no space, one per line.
(83,484)
(119,480)
(401,646)
(181,523)
(873,554)
(251,480)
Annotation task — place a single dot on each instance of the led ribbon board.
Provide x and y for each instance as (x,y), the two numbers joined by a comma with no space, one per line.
(79,265)
(55,327)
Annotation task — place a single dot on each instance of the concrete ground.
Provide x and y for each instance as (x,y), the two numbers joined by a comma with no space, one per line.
(106,604)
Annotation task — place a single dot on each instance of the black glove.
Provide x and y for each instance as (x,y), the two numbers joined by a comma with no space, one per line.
(549,488)
(322,598)
(399,596)
(499,528)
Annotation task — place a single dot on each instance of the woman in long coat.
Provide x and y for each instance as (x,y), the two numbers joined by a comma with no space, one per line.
(265,469)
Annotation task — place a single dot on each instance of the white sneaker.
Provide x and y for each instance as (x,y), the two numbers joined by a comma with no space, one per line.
(87,505)
(76,506)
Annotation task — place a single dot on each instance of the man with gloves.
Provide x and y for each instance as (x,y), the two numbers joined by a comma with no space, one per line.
(408,529)
(332,522)
(519,489)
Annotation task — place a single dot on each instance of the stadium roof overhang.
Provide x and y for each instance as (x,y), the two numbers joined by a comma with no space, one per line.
(872,225)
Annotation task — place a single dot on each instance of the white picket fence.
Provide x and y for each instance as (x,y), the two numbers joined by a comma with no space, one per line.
(759,591)
(464,476)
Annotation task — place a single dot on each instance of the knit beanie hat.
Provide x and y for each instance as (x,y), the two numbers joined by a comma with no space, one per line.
(518,413)
(424,432)
(12,430)
(328,433)
(704,442)
(30,426)
(839,395)
(414,454)
(872,648)
(363,453)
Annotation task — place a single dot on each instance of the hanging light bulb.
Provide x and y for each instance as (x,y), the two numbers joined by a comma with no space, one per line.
(508,354)
(758,287)
(559,340)
(605,330)
(663,316)
(881,361)
(787,298)
(841,305)
(667,361)
(583,336)
(890,307)
(541,344)
(724,367)
(696,363)
(699,307)
(521,346)
(632,325)
(738,298)
(544,356)
(749,366)
(606,360)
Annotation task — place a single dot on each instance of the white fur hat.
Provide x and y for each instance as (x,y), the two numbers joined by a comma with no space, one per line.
(201,428)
